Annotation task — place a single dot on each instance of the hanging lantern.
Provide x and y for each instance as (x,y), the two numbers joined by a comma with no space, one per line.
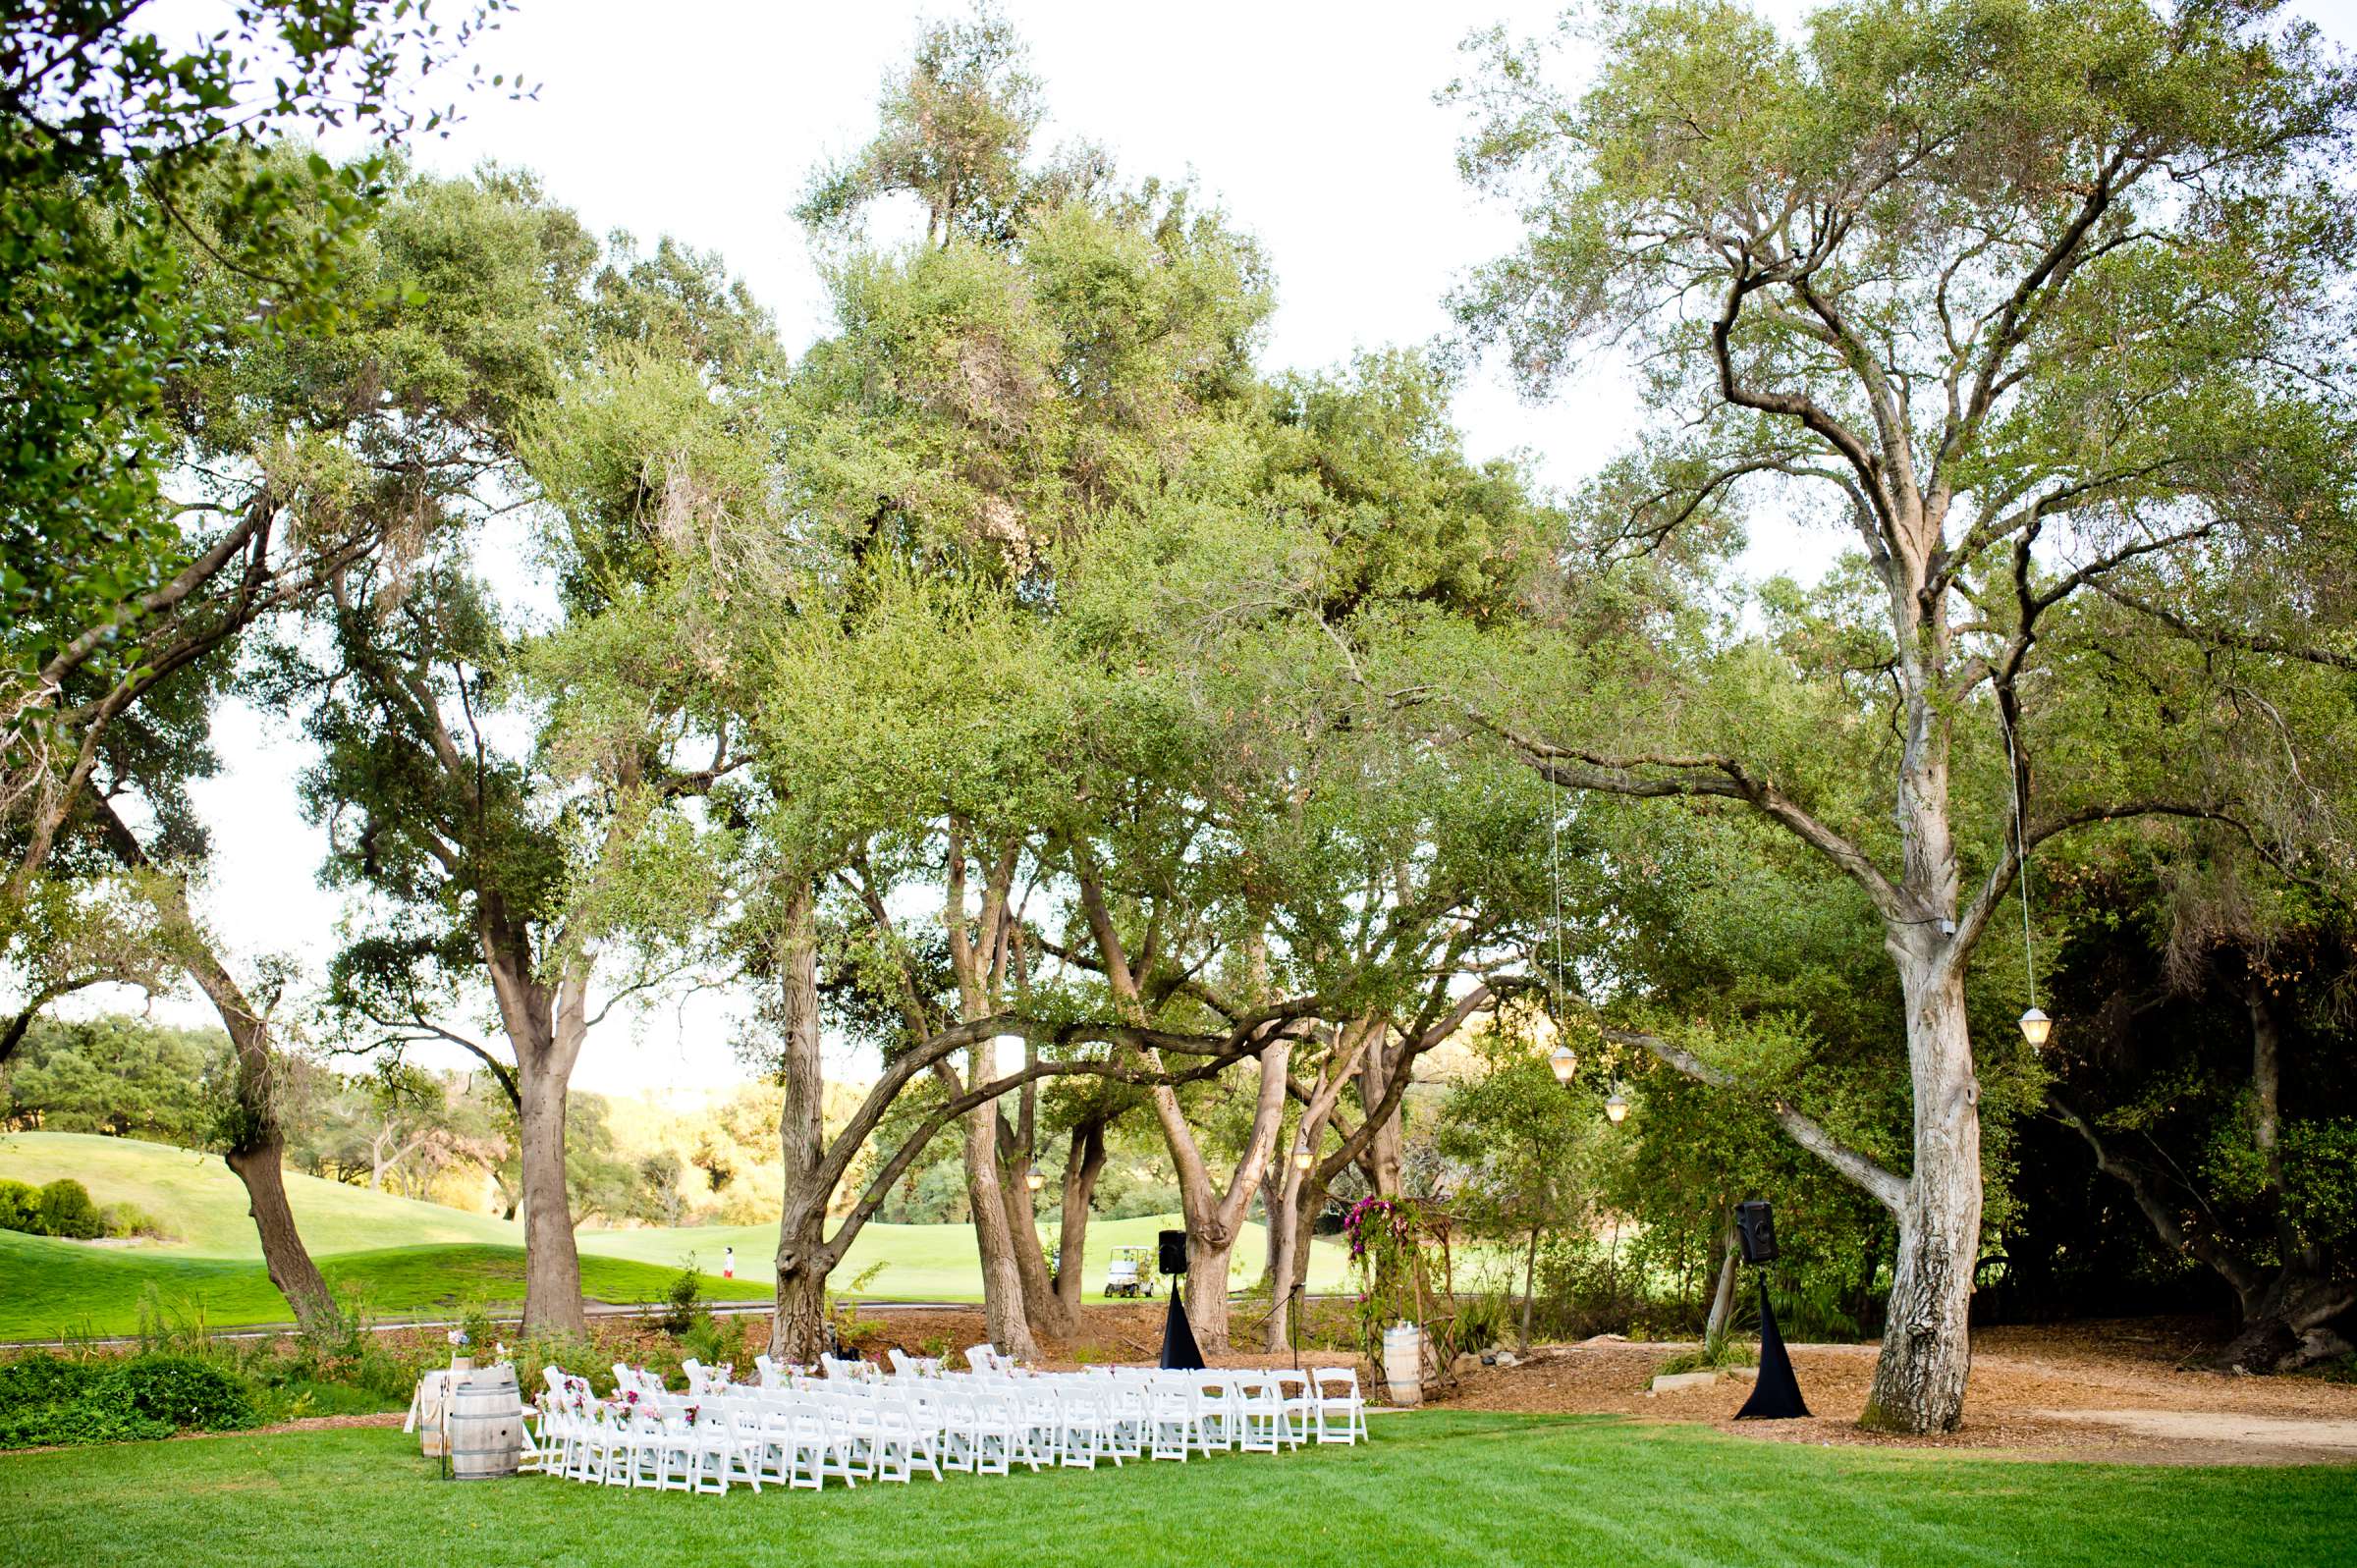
(1565,1060)
(1616,1107)
(2035,1027)
(1302,1160)
(1034,1180)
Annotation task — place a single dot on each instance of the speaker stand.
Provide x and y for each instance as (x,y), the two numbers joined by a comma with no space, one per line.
(1776,1396)
(1178,1349)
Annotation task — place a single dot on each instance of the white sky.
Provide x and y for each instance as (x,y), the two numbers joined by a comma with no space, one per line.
(1312,123)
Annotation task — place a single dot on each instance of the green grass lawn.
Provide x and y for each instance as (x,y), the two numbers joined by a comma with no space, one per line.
(400,1257)
(1435,1489)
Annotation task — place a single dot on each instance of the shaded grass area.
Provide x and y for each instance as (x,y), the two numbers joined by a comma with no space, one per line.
(1435,1487)
(50,1288)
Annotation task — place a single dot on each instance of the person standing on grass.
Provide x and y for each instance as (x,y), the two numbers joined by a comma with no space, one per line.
(728,1263)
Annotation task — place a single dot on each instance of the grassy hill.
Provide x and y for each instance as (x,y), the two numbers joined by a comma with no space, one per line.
(203,1202)
(402,1257)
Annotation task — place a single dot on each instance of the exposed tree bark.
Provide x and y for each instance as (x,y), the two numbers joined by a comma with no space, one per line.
(1043,1307)
(797,1332)
(1295,1193)
(545,1024)
(1381,1158)
(1213,1216)
(1081,1169)
(979,956)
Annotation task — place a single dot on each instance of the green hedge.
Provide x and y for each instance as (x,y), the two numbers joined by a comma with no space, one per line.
(46,1401)
(64,1207)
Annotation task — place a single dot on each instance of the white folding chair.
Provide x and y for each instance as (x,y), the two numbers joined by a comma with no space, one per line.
(1256,1412)
(1175,1413)
(1085,1416)
(1337,1394)
(1298,1406)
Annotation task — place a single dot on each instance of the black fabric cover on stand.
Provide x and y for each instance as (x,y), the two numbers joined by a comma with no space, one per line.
(1776,1396)
(1178,1349)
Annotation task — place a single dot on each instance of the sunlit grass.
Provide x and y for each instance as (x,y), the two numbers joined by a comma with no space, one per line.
(1434,1491)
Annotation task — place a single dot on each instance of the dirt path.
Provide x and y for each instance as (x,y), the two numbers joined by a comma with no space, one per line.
(2114,1392)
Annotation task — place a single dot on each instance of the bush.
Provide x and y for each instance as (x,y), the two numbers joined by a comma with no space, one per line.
(46,1401)
(186,1393)
(66,1210)
(20,1207)
(42,1379)
(127,1219)
(683,1302)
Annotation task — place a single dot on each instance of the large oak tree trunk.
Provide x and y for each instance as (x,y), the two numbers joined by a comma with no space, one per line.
(1927,1349)
(261,1166)
(257,1149)
(1003,1306)
(798,1332)
(2278,1318)
(552,1264)
(1081,1168)
(1042,1306)
(545,1026)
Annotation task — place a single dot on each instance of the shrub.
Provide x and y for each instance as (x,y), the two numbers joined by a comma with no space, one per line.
(183,1392)
(66,1210)
(683,1302)
(20,1207)
(129,1219)
(42,1379)
(1711,1356)
(46,1401)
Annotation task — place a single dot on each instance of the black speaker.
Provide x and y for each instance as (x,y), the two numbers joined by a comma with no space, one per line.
(1755,1225)
(1174,1252)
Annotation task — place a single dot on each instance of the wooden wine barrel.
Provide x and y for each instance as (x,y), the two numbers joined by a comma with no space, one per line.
(486,1426)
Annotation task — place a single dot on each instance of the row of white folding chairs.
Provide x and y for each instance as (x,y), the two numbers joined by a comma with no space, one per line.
(1324,1401)
(794,1438)
(1329,1403)
(887,1428)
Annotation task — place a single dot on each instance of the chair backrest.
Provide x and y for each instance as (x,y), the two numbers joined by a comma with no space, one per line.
(694,1370)
(1345,1378)
(900,1363)
(982,1358)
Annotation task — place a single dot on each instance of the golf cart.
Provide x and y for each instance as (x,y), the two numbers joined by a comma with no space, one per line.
(1131,1272)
